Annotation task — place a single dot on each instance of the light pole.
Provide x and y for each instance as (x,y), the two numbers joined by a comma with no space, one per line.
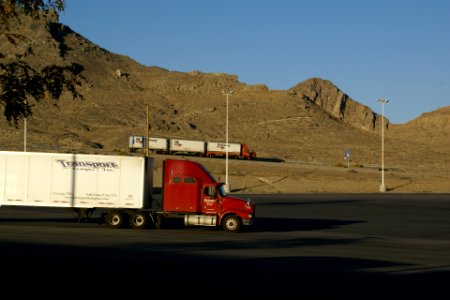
(147,135)
(227,188)
(25,134)
(25,131)
(383,102)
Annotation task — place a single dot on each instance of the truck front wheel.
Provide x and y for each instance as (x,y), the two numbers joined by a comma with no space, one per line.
(115,219)
(232,223)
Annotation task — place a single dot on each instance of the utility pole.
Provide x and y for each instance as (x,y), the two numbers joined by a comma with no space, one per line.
(382,186)
(227,188)
(147,135)
(25,132)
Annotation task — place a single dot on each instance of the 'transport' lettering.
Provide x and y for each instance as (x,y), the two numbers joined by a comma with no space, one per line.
(89,164)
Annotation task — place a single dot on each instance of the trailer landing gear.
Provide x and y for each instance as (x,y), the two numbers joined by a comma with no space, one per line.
(83,214)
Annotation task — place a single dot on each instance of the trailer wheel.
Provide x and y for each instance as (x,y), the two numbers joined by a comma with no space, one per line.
(232,223)
(139,220)
(115,219)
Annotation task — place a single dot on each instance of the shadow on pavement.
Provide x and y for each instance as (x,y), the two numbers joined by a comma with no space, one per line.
(150,268)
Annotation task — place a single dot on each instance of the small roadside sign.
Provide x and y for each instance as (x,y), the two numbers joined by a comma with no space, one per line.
(347,157)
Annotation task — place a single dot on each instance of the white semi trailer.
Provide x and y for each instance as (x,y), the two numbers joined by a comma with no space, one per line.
(180,146)
(158,145)
(79,181)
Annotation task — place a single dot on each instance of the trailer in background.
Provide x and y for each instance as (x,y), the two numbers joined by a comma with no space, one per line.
(175,146)
(156,145)
(159,145)
(219,149)
(190,147)
(136,143)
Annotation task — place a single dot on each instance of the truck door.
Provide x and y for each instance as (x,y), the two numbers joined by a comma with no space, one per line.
(211,203)
(181,194)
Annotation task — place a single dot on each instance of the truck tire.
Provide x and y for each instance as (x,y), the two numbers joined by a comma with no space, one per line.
(232,223)
(115,219)
(139,220)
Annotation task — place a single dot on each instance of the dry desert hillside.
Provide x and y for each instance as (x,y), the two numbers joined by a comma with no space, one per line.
(299,134)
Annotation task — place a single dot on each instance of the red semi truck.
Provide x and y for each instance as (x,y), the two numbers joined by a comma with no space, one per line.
(121,187)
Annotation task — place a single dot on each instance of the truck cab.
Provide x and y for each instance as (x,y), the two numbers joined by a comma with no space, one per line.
(247,153)
(191,192)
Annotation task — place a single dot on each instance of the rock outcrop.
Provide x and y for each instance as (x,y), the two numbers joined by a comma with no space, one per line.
(326,95)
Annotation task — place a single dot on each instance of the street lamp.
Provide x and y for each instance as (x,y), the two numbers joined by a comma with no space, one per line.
(382,101)
(227,188)
(25,131)
(25,134)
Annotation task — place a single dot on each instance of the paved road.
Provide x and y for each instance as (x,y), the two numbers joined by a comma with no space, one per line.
(315,246)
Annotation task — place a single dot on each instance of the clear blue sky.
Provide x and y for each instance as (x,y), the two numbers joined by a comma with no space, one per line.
(396,49)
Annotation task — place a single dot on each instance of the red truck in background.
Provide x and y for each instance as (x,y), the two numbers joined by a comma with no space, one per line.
(121,187)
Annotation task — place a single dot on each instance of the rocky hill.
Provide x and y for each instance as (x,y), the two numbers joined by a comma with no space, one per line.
(312,122)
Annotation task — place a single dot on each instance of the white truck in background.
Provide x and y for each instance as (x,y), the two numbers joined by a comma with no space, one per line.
(174,146)
(157,145)
(179,146)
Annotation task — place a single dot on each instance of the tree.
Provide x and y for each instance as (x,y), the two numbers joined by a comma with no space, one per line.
(18,80)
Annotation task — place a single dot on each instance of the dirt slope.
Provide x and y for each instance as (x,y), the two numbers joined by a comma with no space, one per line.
(311,123)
